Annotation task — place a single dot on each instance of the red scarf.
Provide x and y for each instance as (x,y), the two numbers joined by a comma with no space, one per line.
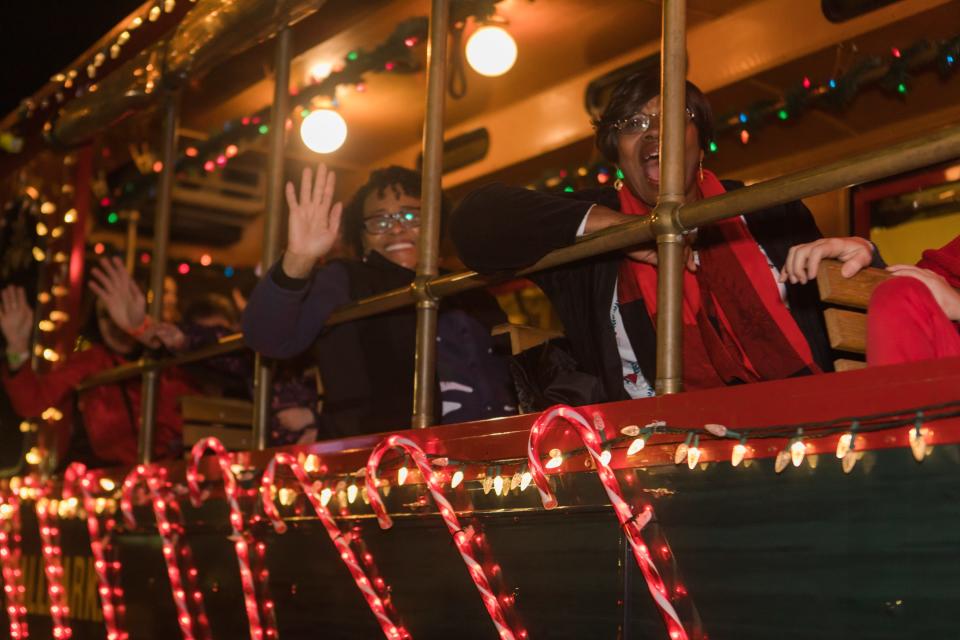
(735,326)
(945,261)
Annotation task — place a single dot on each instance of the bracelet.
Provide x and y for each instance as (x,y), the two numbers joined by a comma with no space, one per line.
(15,359)
(139,331)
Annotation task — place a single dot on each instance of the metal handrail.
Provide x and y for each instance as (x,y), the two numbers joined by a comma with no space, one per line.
(937,147)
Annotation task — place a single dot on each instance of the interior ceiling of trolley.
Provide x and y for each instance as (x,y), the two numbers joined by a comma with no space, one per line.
(740,51)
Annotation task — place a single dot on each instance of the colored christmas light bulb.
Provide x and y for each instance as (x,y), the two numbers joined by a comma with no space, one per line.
(918,443)
(498,485)
(457,479)
(797,451)
(402,475)
(739,451)
(849,460)
(637,445)
(681,453)
(605,456)
(325,496)
(843,444)
(556,459)
(352,492)
(525,480)
(693,454)
(783,459)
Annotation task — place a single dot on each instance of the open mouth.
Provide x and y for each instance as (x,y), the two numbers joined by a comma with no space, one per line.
(399,246)
(650,162)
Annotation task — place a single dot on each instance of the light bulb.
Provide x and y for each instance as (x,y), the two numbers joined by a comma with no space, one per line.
(487,484)
(693,456)
(498,485)
(107,484)
(556,459)
(457,479)
(848,461)
(783,459)
(525,480)
(352,492)
(402,475)
(491,51)
(605,457)
(515,481)
(637,446)
(681,453)
(797,451)
(739,451)
(843,444)
(325,496)
(918,444)
(323,131)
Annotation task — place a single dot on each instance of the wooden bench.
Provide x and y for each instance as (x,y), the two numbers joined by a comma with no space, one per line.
(229,420)
(847,320)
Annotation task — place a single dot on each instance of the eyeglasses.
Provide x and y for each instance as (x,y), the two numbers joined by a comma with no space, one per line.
(377,225)
(641,122)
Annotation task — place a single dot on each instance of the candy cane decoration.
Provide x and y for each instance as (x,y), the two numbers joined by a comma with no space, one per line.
(241,538)
(461,537)
(77,480)
(13,588)
(191,615)
(632,524)
(52,559)
(379,603)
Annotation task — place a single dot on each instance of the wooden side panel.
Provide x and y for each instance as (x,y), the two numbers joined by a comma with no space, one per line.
(849,292)
(847,330)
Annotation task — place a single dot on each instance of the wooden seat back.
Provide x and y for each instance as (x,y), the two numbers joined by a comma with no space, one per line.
(846,320)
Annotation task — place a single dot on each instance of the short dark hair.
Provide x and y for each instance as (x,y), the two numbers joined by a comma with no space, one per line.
(629,97)
(211,305)
(400,179)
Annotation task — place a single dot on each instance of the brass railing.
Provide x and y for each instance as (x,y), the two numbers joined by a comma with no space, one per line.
(670,220)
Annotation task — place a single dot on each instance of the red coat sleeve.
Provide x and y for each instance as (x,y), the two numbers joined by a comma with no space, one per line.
(31,393)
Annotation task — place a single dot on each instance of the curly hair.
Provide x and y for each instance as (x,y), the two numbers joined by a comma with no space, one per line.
(401,180)
(629,97)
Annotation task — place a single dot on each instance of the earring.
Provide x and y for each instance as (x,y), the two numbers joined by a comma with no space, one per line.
(618,183)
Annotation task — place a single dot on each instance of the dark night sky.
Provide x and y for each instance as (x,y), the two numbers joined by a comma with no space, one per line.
(40,37)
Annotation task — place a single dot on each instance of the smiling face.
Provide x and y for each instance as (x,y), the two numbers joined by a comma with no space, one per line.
(399,243)
(639,158)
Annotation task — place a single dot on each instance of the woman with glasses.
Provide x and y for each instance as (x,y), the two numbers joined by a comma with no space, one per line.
(367,365)
(740,323)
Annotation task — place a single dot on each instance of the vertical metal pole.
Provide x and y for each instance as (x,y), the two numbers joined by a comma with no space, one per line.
(424,377)
(673,67)
(158,268)
(130,260)
(263,375)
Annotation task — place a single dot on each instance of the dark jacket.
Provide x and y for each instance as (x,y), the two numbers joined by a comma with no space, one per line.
(367,364)
(501,228)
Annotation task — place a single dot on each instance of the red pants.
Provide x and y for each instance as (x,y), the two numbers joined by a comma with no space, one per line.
(905,324)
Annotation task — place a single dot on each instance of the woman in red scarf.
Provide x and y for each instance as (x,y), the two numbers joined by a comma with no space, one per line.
(911,317)
(740,324)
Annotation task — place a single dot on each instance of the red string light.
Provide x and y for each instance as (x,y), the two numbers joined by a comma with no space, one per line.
(14,591)
(373,589)
(77,479)
(632,524)
(462,538)
(191,615)
(242,538)
(52,558)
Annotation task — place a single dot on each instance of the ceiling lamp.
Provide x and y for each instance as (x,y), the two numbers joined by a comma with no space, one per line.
(491,51)
(323,131)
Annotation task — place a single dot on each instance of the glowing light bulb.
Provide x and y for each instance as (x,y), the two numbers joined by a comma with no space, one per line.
(843,444)
(487,484)
(637,446)
(352,492)
(498,485)
(556,459)
(325,496)
(320,70)
(457,479)
(287,496)
(46,325)
(605,456)
(797,451)
(41,229)
(515,481)
(491,51)
(783,459)
(402,475)
(33,456)
(849,461)
(51,355)
(525,480)
(70,216)
(107,484)
(681,453)
(323,131)
(693,456)
(918,443)
(739,451)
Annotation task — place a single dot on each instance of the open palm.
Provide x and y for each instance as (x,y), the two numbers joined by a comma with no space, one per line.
(314,221)
(119,293)
(16,319)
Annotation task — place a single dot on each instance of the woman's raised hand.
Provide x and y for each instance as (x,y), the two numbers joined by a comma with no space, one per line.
(120,294)
(314,221)
(16,319)
(803,260)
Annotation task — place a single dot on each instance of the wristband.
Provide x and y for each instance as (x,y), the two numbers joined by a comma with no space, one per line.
(14,360)
(139,331)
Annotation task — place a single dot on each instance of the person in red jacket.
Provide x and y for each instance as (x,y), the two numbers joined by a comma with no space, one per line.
(911,317)
(104,431)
